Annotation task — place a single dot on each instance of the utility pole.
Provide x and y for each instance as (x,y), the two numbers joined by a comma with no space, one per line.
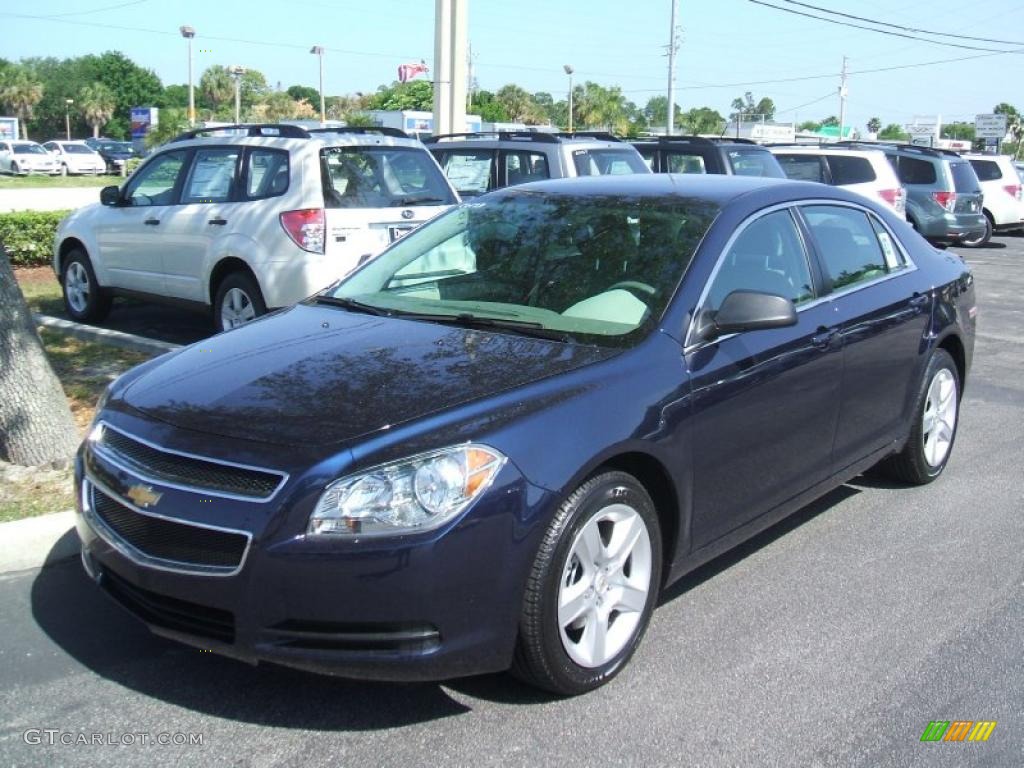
(842,100)
(450,65)
(673,44)
(469,78)
(318,50)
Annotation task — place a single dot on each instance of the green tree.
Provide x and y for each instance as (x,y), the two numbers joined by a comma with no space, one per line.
(175,96)
(595,106)
(360,120)
(413,95)
(809,125)
(217,87)
(173,121)
(253,88)
(958,129)
(893,132)
(132,86)
(702,120)
(754,110)
(874,125)
(280,106)
(97,103)
(488,107)
(19,93)
(1014,126)
(519,105)
(300,92)
(656,112)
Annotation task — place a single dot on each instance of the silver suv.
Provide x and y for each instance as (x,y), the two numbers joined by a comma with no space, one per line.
(476,163)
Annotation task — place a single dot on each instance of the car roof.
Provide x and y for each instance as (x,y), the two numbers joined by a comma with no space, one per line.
(521,138)
(796,148)
(706,141)
(325,139)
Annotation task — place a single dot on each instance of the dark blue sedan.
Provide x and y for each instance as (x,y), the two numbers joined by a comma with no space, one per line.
(494,444)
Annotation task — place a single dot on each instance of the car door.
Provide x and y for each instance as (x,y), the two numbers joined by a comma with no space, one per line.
(883,315)
(130,235)
(207,210)
(520,166)
(765,402)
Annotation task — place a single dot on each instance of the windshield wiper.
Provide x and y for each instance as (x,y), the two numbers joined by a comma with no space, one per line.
(469,320)
(351,305)
(417,200)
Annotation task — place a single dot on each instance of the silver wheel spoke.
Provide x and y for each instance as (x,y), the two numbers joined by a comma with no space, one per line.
(938,421)
(629,598)
(595,637)
(574,601)
(624,538)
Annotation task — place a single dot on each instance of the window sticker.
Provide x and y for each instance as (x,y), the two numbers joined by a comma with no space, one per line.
(892,261)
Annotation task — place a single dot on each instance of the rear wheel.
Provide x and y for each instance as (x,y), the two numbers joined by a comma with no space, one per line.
(935,423)
(238,301)
(63,169)
(15,169)
(984,237)
(84,299)
(592,588)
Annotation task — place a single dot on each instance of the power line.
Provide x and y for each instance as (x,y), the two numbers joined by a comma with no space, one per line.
(828,95)
(905,29)
(872,29)
(94,10)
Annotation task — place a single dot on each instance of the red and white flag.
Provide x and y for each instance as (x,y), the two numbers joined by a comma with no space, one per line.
(407,72)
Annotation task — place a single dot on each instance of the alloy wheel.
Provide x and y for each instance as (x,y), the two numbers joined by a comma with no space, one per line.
(236,309)
(76,286)
(939,421)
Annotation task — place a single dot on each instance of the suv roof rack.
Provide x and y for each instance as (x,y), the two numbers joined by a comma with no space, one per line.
(397,133)
(538,136)
(933,151)
(602,135)
(699,139)
(276,130)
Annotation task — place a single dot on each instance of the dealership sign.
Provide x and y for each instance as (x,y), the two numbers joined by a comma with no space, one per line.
(143,120)
(990,126)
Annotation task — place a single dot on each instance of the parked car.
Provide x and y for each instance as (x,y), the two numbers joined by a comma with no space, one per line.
(865,171)
(75,157)
(496,443)
(22,157)
(246,223)
(114,153)
(944,199)
(1001,186)
(476,163)
(697,154)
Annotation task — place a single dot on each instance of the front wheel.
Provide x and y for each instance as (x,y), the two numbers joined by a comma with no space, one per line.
(592,588)
(239,301)
(935,423)
(84,299)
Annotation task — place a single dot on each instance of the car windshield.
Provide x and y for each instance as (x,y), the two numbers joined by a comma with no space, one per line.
(591,269)
(77,149)
(28,149)
(382,177)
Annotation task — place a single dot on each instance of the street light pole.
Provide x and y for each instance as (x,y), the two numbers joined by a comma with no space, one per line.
(670,125)
(569,70)
(319,51)
(188,33)
(67,117)
(236,72)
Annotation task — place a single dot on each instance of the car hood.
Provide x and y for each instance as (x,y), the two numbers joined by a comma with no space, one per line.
(319,375)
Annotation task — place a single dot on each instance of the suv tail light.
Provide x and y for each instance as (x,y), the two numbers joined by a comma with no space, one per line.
(1013,190)
(306,227)
(946,199)
(895,197)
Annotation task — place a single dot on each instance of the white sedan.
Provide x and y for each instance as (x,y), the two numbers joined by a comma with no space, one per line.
(20,157)
(75,157)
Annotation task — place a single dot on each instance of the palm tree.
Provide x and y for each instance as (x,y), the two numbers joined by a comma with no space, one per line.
(19,93)
(98,104)
(874,125)
(217,87)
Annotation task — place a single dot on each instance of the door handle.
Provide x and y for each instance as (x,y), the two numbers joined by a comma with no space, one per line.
(920,300)
(152,222)
(824,337)
(218,222)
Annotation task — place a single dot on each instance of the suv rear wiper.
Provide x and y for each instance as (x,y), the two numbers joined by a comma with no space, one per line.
(469,320)
(350,304)
(417,200)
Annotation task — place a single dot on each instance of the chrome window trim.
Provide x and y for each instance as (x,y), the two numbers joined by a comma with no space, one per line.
(126,549)
(908,266)
(107,455)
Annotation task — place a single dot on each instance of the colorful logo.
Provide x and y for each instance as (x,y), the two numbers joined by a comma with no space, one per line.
(958,730)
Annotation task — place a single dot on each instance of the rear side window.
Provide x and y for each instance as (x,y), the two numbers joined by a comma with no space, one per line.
(680,162)
(747,162)
(382,177)
(848,244)
(523,166)
(608,162)
(912,170)
(847,169)
(469,171)
(964,177)
(987,170)
(212,176)
(802,167)
(266,173)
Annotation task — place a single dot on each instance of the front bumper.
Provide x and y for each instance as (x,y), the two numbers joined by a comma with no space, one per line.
(428,606)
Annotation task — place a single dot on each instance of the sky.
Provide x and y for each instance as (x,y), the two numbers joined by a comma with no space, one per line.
(727,47)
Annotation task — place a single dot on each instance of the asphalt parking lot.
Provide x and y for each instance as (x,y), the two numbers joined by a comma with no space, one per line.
(831,639)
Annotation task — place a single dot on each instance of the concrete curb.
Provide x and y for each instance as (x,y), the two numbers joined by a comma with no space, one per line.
(106,336)
(37,541)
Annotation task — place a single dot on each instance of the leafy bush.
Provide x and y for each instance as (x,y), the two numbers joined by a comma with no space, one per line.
(28,236)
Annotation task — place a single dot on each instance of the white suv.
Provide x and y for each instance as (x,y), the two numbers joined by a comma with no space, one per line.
(864,171)
(1001,186)
(248,219)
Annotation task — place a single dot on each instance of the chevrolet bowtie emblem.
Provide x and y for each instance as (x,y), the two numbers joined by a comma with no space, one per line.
(143,496)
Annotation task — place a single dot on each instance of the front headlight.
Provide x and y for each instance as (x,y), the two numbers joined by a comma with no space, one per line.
(415,494)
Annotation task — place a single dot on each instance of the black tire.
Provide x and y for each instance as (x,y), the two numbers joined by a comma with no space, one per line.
(84,299)
(15,171)
(911,465)
(541,659)
(63,169)
(248,288)
(978,242)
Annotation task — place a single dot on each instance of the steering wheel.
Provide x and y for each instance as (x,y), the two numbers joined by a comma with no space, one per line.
(635,287)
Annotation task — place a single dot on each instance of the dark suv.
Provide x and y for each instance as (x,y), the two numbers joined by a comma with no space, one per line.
(944,198)
(697,154)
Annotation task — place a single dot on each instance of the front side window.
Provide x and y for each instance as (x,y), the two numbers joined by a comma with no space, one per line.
(681,162)
(608,162)
(802,167)
(768,256)
(267,173)
(848,244)
(747,162)
(211,178)
(522,167)
(469,171)
(592,269)
(382,177)
(154,183)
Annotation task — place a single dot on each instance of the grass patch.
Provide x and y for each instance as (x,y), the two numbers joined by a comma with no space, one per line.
(41,289)
(84,369)
(36,181)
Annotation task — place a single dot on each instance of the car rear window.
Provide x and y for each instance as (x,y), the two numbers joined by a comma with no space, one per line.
(987,170)
(608,162)
(382,177)
(847,169)
(802,167)
(964,177)
(911,170)
(746,162)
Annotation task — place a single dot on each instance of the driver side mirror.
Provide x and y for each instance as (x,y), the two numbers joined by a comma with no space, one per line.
(746,311)
(111,195)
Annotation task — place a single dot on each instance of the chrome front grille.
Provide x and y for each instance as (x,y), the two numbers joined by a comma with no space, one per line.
(184,471)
